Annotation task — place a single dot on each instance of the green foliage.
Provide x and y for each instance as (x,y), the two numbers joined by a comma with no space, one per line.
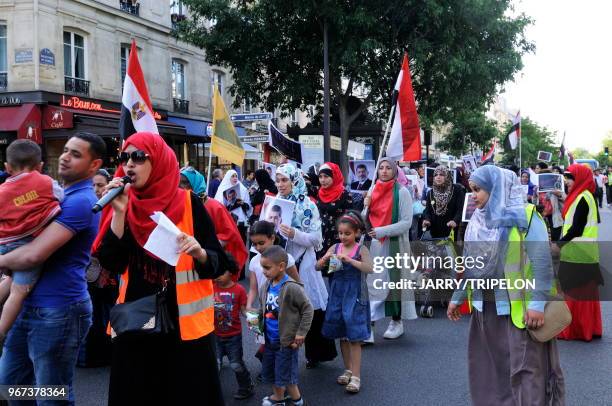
(581,153)
(461,51)
(469,131)
(534,138)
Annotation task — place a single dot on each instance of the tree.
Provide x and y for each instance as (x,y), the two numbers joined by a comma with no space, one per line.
(469,131)
(534,138)
(581,153)
(461,52)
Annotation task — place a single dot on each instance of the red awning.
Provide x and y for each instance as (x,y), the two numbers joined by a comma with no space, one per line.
(24,119)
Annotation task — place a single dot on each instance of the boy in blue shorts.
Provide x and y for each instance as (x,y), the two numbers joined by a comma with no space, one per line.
(287,314)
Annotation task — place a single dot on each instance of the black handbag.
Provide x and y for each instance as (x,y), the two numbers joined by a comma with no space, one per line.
(148,315)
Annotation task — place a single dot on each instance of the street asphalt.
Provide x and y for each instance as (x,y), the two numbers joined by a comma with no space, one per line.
(426,366)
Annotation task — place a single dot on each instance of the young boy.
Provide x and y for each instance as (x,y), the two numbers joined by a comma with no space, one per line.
(29,201)
(230,301)
(287,314)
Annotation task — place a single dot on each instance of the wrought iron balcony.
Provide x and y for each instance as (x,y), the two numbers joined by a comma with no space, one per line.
(129,6)
(76,86)
(3,81)
(181,106)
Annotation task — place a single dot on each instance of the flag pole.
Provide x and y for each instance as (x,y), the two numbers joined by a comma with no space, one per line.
(520,143)
(382,146)
(209,166)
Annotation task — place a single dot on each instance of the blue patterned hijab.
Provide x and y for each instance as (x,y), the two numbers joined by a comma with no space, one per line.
(306,215)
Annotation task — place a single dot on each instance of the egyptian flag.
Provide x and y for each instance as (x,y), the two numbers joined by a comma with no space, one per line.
(514,135)
(136,110)
(405,140)
(491,154)
(562,149)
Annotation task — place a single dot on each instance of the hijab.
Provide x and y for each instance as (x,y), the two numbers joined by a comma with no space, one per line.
(380,212)
(530,185)
(305,215)
(583,180)
(443,193)
(332,193)
(264,181)
(196,180)
(226,183)
(491,224)
(160,193)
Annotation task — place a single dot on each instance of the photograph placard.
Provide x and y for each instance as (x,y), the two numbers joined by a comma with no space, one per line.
(277,211)
(469,205)
(361,174)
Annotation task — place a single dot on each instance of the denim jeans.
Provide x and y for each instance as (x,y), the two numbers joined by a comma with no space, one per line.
(42,347)
(232,347)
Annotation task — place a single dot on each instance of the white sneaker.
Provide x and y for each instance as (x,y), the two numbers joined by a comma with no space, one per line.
(395,329)
(370,340)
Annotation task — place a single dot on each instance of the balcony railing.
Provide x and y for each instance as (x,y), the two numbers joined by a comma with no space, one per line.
(129,7)
(3,81)
(181,106)
(76,86)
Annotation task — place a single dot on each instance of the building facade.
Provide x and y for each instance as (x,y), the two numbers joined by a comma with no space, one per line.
(63,62)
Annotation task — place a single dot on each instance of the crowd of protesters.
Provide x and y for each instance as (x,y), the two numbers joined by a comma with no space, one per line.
(310,282)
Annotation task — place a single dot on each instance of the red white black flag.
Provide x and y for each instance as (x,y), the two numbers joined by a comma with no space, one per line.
(490,156)
(136,109)
(405,139)
(514,135)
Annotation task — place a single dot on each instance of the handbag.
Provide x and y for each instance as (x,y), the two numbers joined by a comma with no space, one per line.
(557,315)
(417,208)
(147,315)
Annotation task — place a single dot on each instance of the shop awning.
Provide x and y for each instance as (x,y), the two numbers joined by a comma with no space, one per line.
(24,120)
(195,128)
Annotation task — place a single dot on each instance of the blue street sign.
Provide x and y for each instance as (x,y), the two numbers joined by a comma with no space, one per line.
(251,117)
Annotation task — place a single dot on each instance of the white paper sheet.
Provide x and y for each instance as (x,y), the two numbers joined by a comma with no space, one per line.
(163,240)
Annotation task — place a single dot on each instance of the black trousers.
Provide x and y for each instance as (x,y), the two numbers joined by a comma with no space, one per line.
(319,348)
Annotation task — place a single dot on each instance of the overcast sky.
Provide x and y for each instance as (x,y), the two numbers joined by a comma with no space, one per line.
(567,84)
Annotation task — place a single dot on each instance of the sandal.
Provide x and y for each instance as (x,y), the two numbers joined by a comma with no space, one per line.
(345,378)
(354,385)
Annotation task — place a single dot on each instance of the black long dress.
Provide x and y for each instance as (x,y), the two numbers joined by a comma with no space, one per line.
(162,369)
(454,211)
(330,212)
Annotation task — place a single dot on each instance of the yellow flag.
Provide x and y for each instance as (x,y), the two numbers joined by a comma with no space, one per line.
(224,141)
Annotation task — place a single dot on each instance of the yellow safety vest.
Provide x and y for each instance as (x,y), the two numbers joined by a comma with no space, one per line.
(512,272)
(583,249)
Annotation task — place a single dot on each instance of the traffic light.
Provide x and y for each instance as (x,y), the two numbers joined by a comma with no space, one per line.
(606,151)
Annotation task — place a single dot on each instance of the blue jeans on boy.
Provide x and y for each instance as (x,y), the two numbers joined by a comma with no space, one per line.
(42,348)
(25,277)
(280,365)
(232,347)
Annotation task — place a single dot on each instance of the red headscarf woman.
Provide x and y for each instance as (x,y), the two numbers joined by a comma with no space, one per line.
(332,201)
(144,366)
(579,272)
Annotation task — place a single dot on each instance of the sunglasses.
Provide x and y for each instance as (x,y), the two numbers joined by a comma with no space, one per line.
(138,157)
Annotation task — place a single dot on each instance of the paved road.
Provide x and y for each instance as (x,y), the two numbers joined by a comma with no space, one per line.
(427,366)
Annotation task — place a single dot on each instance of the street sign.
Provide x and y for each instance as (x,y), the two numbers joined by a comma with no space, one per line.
(251,117)
(254,138)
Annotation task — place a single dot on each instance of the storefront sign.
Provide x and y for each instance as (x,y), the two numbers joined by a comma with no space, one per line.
(10,101)
(47,57)
(312,150)
(254,139)
(78,103)
(54,118)
(23,55)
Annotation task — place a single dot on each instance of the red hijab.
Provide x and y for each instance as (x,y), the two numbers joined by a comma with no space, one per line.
(381,203)
(160,193)
(583,180)
(332,193)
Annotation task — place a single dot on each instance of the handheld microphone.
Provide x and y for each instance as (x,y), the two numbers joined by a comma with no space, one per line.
(107,198)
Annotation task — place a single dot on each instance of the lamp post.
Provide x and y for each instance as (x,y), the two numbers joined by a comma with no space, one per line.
(326,140)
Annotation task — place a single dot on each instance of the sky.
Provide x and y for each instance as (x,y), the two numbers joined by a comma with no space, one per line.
(566,85)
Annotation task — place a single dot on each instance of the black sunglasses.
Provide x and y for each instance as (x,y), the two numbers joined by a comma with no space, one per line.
(138,157)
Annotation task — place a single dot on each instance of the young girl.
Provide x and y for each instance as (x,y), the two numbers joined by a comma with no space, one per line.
(348,308)
(263,235)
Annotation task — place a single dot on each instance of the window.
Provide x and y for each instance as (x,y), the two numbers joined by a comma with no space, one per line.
(74,55)
(125,56)
(3,57)
(177,7)
(178,80)
(246,106)
(218,79)
(129,6)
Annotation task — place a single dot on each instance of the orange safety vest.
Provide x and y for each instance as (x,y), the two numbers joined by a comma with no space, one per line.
(194,296)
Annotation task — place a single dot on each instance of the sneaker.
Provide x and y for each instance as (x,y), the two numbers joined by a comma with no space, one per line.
(245,393)
(395,329)
(299,402)
(271,402)
(369,340)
